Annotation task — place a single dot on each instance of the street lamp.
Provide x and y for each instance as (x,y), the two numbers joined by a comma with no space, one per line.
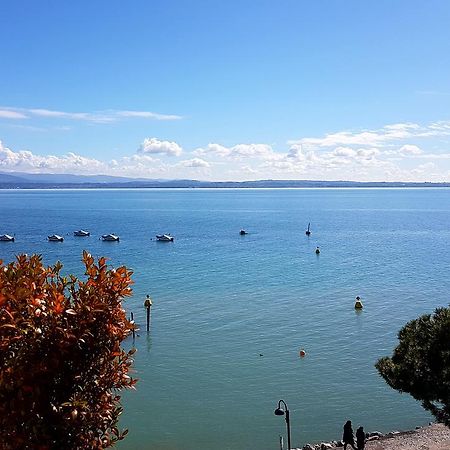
(281,412)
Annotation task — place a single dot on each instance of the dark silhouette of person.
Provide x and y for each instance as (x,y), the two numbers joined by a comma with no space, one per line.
(348,438)
(360,438)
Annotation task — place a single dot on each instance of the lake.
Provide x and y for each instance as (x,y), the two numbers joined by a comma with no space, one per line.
(231,313)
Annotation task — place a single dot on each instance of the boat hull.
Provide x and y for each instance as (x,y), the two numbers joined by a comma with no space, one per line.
(6,238)
(55,238)
(164,238)
(110,238)
(81,233)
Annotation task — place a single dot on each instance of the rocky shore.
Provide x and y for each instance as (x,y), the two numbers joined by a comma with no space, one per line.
(432,437)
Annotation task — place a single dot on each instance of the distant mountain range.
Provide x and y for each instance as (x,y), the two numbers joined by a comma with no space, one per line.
(22,180)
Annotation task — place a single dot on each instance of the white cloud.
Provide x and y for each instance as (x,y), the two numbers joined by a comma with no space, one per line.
(8,114)
(345,152)
(433,156)
(426,167)
(94,117)
(298,153)
(402,126)
(26,161)
(238,152)
(251,150)
(28,127)
(155,146)
(302,159)
(409,149)
(213,149)
(376,138)
(148,115)
(349,138)
(57,114)
(367,153)
(195,162)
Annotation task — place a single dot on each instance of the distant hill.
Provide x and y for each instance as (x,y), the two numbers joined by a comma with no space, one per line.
(21,180)
(23,177)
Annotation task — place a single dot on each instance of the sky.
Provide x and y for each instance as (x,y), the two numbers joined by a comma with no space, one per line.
(227,90)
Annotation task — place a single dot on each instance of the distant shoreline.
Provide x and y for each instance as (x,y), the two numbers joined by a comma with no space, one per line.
(191,184)
(24,180)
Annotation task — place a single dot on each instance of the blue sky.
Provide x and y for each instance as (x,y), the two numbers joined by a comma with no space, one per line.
(229,90)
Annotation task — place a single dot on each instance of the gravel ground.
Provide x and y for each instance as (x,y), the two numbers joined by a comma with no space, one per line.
(433,437)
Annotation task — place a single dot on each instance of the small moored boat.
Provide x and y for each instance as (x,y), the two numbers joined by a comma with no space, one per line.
(55,238)
(242,232)
(81,233)
(6,238)
(110,238)
(164,238)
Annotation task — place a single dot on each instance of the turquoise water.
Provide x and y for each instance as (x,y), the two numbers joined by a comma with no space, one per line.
(221,299)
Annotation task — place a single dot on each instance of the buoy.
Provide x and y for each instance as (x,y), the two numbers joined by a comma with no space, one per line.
(308,232)
(317,250)
(302,353)
(358,303)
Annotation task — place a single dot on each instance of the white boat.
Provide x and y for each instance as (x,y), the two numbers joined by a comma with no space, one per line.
(55,238)
(81,233)
(6,238)
(164,238)
(110,238)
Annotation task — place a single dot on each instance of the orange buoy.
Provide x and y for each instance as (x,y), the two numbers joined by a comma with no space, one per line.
(302,353)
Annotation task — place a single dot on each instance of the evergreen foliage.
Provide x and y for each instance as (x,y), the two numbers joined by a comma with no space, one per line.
(420,364)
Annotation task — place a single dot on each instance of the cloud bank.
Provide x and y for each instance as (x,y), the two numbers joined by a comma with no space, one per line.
(395,152)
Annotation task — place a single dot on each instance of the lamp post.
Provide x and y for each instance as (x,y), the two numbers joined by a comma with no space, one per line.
(285,412)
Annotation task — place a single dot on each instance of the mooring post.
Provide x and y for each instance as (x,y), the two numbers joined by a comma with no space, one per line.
(133,331)
(148,307)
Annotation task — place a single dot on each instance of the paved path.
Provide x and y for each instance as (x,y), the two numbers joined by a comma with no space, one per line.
(433,437)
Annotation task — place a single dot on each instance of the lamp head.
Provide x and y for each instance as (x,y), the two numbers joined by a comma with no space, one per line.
(279,412)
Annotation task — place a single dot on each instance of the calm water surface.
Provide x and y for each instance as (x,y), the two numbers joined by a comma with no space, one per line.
(220,300)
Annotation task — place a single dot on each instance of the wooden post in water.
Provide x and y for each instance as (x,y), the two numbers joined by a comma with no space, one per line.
(148,307)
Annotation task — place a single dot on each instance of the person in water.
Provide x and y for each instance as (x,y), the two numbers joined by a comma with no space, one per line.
(348,438)
(360,438)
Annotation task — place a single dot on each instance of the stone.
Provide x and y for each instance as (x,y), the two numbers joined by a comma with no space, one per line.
(325,446)
(373,438)
(375,433)
(308,447)
(393,433)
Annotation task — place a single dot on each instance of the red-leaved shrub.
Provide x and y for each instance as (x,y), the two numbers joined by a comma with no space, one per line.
(61,364)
